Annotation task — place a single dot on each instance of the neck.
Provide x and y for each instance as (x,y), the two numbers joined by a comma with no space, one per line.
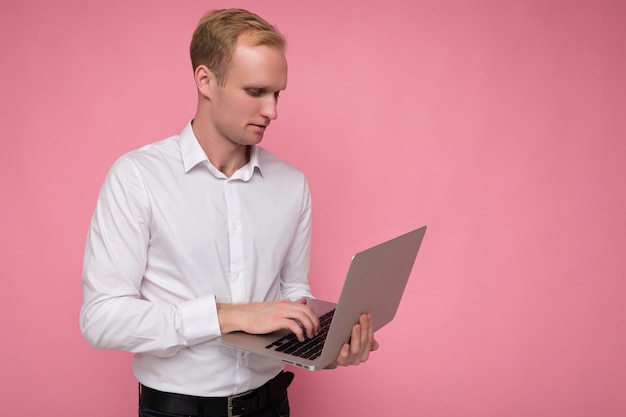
(224,155)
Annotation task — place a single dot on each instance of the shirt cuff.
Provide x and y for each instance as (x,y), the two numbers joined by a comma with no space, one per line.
(199,320)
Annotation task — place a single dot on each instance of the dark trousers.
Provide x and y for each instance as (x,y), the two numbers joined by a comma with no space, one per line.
(277,408)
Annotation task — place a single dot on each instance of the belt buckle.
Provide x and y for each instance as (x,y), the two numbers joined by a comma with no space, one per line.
(229,409)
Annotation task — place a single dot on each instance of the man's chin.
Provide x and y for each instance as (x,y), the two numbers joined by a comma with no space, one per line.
(254,139)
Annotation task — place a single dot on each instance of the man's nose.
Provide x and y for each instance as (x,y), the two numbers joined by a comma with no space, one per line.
(269,108)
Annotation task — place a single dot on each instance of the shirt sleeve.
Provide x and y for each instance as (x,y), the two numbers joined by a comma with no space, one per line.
(114,315)
(295,271)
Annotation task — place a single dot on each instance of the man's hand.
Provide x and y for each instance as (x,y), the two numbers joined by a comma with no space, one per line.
(362,342)
(266,317)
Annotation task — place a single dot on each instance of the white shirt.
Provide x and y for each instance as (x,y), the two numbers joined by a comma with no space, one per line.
(170,237)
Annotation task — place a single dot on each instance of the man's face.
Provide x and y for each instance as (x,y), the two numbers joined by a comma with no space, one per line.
(244,106)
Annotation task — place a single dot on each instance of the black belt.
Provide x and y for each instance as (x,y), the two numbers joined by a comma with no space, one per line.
(235,405)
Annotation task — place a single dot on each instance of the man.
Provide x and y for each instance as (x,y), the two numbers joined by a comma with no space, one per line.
(206,233)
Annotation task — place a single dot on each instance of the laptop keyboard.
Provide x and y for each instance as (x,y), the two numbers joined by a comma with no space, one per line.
(310,348)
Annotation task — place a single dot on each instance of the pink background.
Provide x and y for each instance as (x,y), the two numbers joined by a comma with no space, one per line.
(499,124)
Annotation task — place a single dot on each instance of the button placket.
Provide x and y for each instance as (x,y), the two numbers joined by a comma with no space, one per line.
(236,242)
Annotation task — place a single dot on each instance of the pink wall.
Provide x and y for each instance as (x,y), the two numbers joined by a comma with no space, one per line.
(500,125)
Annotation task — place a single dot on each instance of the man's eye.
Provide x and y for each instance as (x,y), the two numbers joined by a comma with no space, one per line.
(254,92)
(276,95)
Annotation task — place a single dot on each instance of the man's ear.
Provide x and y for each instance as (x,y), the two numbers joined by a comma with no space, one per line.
(205,80)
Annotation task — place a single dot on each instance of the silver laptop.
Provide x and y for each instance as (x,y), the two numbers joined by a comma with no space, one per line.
(375,283)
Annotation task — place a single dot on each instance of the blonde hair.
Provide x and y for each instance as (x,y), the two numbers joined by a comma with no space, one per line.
(217,33)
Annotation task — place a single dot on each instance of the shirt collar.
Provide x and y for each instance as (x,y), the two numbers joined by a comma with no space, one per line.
(190,149)
(254,164)
(193,154)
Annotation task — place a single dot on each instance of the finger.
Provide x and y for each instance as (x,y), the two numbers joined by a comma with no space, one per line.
(375,345)
(309,320)
(368,332)
(303,317)
(364,349)
(295,328)
(315,322)
(344,354)
(355,340)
